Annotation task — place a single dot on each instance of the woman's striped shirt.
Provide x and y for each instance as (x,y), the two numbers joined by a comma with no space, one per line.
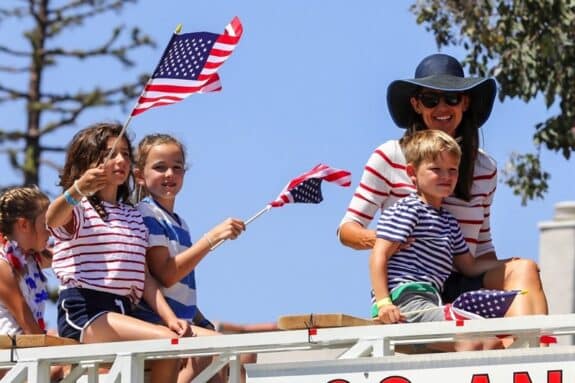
(436,239)
(384,181)
(105,255)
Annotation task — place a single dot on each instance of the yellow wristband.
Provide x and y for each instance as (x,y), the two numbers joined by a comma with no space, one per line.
(383,302)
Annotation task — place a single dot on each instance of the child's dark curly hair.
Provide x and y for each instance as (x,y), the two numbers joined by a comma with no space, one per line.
(88,149)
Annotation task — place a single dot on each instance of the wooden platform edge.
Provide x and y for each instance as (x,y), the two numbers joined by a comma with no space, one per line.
(26,341)
(303,321)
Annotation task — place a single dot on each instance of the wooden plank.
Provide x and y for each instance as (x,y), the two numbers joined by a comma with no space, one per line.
(24,341)
(296,322)
(5,341)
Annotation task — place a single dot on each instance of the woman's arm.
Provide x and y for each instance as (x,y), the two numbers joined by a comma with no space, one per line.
(473,267)
(11,296)
(353,235)
(370,195)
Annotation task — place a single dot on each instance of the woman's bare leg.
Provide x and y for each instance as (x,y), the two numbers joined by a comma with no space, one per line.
(111,327)
(477,345)
(519,274)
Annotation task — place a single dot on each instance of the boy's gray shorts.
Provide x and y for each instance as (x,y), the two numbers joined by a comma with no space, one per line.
(428,303)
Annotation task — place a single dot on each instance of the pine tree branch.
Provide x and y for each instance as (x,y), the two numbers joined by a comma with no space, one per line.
(13,52)
(12,93)
(11,69)
(107,48)
(63,17)
(11,136)
(57,149)
(19,12)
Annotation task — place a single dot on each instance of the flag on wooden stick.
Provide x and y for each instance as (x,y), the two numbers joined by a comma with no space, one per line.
(189,65)
(307,187)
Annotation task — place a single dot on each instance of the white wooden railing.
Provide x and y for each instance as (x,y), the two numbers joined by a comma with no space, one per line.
(367,352)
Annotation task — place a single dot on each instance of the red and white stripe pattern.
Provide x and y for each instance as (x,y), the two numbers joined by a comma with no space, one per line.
(108,256)
(385,180)
(452,313)
(189,65)
(307,187)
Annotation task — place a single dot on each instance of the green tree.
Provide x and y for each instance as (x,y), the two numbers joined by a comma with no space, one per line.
(42,23)
(529,47)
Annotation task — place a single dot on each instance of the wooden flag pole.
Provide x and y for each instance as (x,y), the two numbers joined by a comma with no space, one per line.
(247,222)
(127,123)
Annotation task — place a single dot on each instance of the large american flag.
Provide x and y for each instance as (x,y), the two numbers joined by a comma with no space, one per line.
(482,303)
(189,65)
(307,187)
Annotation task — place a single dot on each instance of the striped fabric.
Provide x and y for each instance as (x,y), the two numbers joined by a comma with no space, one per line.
(103,255)
(170,231)
(385,180)
(437,238)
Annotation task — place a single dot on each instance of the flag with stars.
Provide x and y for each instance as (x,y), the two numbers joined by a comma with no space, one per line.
(481,304)
(189,65)
(307,187)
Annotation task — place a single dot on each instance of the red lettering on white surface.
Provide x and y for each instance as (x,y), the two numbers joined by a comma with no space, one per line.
(555,376)
(480,378)
(395,379)
(521,377)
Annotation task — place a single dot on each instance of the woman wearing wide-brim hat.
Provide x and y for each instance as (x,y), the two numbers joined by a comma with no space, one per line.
(441,97)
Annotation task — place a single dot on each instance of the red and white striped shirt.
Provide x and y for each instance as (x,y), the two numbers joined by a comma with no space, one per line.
(108,255)
(385,180)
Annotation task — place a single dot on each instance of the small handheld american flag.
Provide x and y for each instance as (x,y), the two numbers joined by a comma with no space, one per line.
(189,65)
(307,187)
(481,304)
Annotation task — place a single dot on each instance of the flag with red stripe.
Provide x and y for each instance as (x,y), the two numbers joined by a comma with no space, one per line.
(189,65)
(307,187)
(484,303)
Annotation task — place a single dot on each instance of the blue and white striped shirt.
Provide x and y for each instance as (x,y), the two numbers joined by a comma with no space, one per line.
(170,231)
(436,236)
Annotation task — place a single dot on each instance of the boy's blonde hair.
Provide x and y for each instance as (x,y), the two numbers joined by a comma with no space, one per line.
(427,145)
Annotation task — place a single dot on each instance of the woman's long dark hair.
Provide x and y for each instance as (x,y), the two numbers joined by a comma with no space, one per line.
(467,135)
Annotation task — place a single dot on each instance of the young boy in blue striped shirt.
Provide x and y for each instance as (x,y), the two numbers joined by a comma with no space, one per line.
(418,241)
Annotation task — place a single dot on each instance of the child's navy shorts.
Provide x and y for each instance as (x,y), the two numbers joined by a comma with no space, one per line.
(77,308)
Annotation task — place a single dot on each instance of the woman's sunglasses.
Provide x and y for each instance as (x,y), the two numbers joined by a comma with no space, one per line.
(431,100)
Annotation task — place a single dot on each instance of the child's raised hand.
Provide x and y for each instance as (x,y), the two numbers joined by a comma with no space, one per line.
(231,228)
(389,314)
(92,181)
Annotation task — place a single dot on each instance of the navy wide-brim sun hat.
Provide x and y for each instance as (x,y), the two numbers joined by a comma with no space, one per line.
(444,73)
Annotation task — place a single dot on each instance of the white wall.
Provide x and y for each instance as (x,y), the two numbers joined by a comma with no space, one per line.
(557,260)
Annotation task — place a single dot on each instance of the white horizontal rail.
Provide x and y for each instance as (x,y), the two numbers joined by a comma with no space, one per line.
(235,344)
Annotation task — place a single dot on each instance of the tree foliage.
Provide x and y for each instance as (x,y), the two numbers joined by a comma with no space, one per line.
(528,46)
(44,23)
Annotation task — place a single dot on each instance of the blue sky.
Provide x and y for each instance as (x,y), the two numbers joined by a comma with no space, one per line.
(306,85)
